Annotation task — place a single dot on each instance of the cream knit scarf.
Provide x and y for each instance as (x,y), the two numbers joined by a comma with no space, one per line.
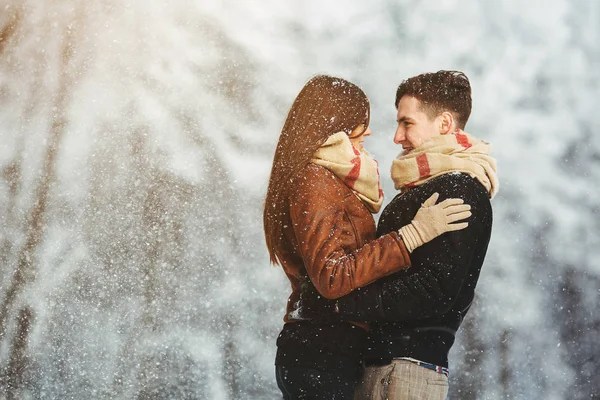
(444,154)
(357,169)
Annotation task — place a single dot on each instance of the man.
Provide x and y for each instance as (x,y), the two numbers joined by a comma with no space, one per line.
(415,314)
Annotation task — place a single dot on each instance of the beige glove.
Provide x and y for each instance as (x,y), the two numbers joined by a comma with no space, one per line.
(434,219)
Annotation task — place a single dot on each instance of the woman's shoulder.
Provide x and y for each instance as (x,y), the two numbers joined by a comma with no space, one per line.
(319,181)
(316,171)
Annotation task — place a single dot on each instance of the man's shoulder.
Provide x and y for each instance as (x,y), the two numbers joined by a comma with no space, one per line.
(450,182)
(454,184)
(451,185)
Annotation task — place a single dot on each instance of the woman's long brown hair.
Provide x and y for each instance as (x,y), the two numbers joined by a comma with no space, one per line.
(325,105)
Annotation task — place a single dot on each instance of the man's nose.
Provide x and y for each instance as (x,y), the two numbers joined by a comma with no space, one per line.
(367,132)
(399,136)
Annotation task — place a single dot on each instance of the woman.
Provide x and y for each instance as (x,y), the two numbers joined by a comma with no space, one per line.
(319,227)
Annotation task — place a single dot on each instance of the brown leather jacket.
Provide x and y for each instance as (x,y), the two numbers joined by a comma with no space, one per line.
(330,238)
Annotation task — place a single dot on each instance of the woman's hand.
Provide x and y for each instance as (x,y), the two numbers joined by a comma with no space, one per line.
(311,305)
(432,220)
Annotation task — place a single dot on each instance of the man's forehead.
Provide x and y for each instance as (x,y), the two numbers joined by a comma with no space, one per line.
(408,107)
(408,102)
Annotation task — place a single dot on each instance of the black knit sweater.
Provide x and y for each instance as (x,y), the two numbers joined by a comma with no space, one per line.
(415,313)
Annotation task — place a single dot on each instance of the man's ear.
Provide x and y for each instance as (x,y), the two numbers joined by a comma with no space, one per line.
(446,122)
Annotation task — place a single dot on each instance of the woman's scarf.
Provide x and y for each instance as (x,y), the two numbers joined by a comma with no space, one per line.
(357,169)
(458,152)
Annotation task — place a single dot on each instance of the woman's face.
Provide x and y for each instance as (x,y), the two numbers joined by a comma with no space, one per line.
(358,135)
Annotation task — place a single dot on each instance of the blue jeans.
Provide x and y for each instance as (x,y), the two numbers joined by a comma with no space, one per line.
(299,383)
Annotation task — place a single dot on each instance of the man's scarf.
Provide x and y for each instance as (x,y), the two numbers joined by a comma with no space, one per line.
(458,152)
(357,169)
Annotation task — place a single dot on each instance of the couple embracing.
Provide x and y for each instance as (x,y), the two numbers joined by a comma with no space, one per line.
(374,310)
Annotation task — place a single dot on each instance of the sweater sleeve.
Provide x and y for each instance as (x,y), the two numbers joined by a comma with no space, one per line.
(317,214)
(440,268)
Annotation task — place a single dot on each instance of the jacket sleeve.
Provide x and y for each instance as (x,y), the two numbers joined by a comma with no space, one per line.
(440,268)
(317,214)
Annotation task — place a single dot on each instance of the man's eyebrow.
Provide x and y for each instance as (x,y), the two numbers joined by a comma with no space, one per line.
(403,119)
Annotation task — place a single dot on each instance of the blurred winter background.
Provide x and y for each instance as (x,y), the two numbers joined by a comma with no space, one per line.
(135,145)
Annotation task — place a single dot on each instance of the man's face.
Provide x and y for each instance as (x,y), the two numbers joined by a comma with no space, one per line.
(414,126)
